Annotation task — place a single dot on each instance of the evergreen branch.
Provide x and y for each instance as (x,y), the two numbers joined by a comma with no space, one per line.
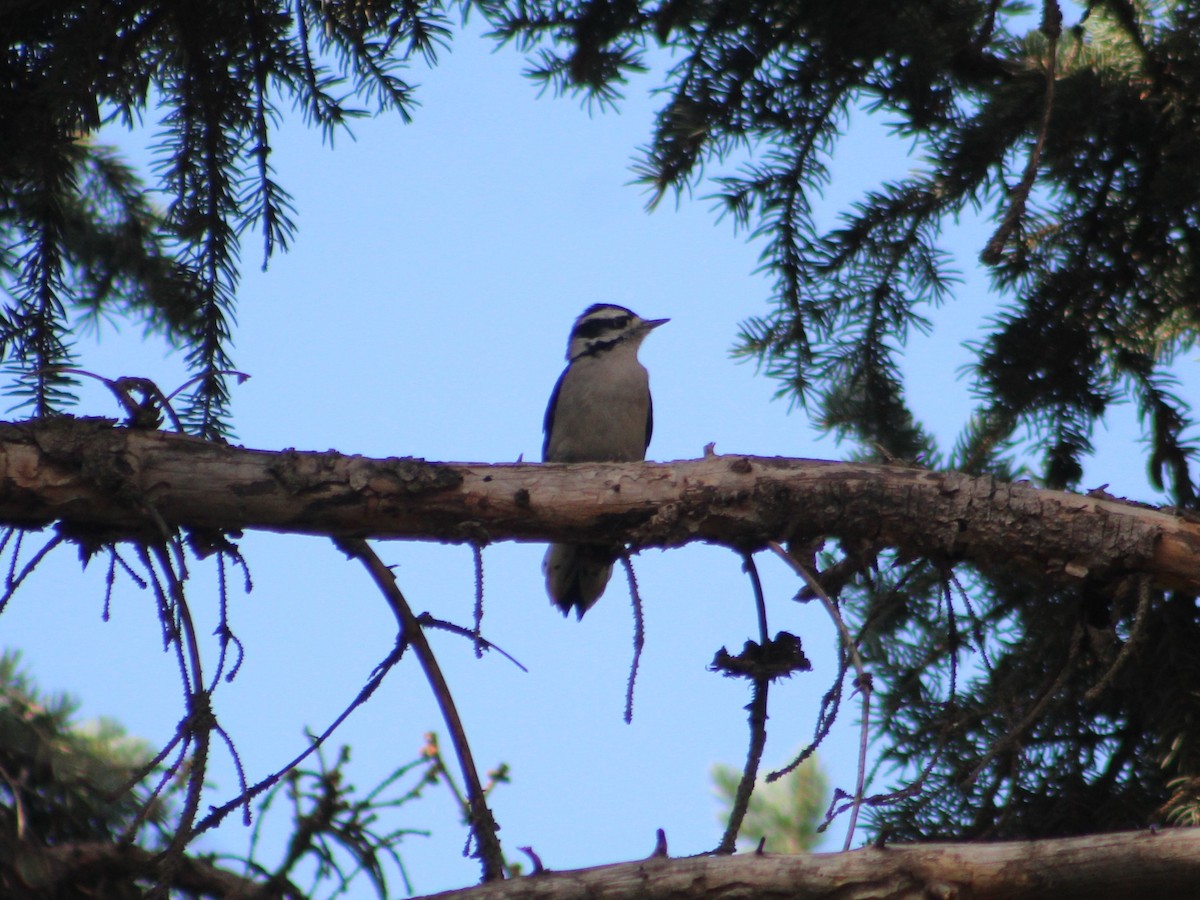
(266,202)
(1050,693)
(36,330)
(1052,28)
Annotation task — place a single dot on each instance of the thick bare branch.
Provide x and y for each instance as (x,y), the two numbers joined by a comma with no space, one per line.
(101,482)
(50,871)
(1146,864)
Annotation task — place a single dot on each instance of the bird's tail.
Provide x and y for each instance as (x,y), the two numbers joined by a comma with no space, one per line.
(576,575)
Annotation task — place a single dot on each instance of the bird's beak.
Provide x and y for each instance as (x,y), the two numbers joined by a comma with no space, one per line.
(651,324)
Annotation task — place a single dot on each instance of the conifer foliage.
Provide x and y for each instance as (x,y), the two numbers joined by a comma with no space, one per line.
(77,232)
(1078,139)
(1019,711)
(1014,709)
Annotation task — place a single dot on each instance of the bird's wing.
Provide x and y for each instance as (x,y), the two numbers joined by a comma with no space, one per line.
(548,422)
(649,419)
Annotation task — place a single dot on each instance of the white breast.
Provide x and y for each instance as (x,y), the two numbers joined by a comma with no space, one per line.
(601,410)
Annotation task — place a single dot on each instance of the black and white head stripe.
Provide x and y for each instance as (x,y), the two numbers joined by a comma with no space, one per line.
(603,326)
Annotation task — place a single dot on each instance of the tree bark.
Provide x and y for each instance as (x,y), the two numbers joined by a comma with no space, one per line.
(1161,865)
(85,869)
(102,482)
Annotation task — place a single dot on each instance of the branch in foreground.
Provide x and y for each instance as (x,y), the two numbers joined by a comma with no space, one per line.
(52,871)
(100,481)
(1162,864)
(479,815)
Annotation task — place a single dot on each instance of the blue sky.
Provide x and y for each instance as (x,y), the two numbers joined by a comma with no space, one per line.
(423,310)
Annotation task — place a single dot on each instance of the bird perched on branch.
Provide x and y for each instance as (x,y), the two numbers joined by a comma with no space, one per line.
(600,411)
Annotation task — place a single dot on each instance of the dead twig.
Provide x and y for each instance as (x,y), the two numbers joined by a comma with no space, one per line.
(862,680)
(483,824)
(762,663)
(639,635)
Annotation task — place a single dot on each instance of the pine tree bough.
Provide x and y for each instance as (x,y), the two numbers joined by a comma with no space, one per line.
(1162,865)
(101,482)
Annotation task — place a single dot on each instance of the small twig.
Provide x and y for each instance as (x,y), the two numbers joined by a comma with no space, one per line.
(1052,27)
(483,824)
(639,635)
(433,751)
(826,716)
(862,680)
(989,27)
(760,602)
(238,767)
(952,629)
(166,618)
(860,784)
(141,413)
(16,554)
(538,868)
(1049,694)
(201,719)
(114,560)
(241,377)
(477,553)
(218,814)
(225,635)
(194,730)
(1136,632)
(18,802)
(145,769)
(745,788)
(977,634)
(182,738)
(830,606)
(14,580)
(757,719)
(660,845)
(428,621)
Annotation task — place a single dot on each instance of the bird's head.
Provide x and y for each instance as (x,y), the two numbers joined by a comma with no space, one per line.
(605,326)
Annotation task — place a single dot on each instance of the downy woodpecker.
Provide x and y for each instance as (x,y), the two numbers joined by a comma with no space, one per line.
(600,411)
